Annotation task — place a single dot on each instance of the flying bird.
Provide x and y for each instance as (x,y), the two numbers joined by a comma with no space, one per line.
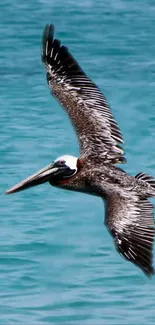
(128,212)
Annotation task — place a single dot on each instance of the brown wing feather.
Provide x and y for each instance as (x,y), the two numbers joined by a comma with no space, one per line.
(130,222)
(86,106)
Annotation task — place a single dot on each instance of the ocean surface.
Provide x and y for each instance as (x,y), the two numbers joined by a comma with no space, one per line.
(58,264)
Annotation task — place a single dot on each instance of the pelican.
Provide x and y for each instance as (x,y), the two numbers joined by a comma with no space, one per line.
(128,212)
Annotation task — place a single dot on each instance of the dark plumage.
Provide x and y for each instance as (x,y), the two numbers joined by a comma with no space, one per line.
(128,213)
(83,101)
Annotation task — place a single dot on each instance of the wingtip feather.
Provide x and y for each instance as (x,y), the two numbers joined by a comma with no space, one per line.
(48,34)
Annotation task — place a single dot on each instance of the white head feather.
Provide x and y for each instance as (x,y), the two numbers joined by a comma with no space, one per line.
(70,161)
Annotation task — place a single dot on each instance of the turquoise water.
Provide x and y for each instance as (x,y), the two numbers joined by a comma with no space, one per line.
(58,264)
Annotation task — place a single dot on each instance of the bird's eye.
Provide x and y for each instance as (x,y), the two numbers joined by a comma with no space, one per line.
(62,162)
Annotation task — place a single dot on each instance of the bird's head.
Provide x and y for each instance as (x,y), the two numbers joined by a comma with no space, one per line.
(57,173)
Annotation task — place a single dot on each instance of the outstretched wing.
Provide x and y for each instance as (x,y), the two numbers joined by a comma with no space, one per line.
(97,130)
(130,222)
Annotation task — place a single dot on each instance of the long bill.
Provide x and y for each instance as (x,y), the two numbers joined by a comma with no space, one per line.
(42,176)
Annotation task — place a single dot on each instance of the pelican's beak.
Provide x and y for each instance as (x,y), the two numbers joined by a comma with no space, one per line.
(42,176)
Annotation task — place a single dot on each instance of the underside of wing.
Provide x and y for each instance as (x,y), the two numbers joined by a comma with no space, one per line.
(130,222)
(97,130)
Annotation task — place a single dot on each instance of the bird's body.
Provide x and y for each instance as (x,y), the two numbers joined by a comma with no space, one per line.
(128,213)
(105,179)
